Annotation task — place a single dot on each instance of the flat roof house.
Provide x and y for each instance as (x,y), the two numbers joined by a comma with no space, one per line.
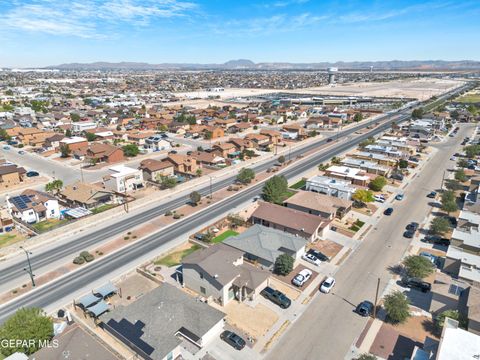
(219,272)
(456,343)
(333,187)
(355,176)
(157,324)
(468,240)
(263,245)
(462,264)
(290,220)
(469,305)
(370,167)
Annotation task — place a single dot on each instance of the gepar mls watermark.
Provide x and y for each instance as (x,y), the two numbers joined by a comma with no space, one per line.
(28,343)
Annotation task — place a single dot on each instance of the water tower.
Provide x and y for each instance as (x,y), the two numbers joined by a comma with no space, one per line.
(331,74)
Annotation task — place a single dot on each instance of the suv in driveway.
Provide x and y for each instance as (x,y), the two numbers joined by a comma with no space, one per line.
(435,239)
(233,339)
(276,297)
(418,284)
(365,308)
(302,277)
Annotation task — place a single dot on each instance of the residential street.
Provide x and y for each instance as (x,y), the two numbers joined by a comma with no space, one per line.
(312,335)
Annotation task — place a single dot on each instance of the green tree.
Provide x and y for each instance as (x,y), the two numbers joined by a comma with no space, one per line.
(54,186)
(275,189)
(369,141)
(235,221)
(68,133)
(4,135)
(90,136)
(403,164)
(417,113)
(367,357)
(472,151)
(378,183)
(335,160)
(449,207)
(26,324)
(281,159)
(439,225)
(439,320)
(167,182)
(74,117)
(9,92)
(65,150)
(195,197)
(463,163)
(358,117)
(460,175)
(418,266)
(455,114)
(207,135)
(199,172)
(362,197)
(396,307)
(130,150)
(283,264)
(245,176)
(448,196)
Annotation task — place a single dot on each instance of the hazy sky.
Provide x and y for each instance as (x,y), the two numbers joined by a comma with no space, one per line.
(50,32)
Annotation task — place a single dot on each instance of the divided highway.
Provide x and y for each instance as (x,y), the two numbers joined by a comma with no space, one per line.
(62,288)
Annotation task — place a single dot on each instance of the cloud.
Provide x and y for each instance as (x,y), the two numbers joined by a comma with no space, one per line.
(88,18)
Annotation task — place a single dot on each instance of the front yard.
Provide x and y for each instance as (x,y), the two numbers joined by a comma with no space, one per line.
(175,257)
(10,238)
(223,236)
(47,225)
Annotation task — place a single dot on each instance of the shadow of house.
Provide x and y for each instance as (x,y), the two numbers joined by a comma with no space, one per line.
(403,348)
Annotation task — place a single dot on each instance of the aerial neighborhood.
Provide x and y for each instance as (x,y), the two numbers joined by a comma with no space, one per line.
(216,219)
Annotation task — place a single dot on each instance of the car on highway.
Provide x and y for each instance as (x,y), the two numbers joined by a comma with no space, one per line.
(277,297)
(329,140)
(32,173)
(327,285)
(233,339)
(435,239)
(365,308)
(399,197)
(388,211)
(172,152)
(312,259)
(418,284)
(302,277)
(432,194)
(409,234)
(413,226)
(319,255)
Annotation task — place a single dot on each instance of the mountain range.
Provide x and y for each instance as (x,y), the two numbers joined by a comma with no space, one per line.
(244,64)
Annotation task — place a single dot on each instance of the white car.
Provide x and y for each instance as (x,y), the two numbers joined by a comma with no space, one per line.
(327,285)
(311,259)
(379,198)
(302,277)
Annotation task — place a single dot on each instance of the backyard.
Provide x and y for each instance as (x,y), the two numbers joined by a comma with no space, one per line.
(175,257)
(49,224)
(223,236)
(299,185)
(10,238)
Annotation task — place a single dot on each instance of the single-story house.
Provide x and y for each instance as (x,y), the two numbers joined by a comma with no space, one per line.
(88,196)
(325,206)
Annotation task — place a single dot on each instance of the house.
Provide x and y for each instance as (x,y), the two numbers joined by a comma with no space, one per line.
(225,149)
(289,220)
(104,153)
(446,292)
(208,158)
(456,343)
(468,240)
(469,306)
(242,144)
(274,136)
(157,143)
(183,164)
(293,131)
(325,206)
(27,135)
(263,245)
(387,151)
(138,138)
(123,179)
(260,141)
(462,264)
(74,143)
(370,167)
(219,272)
(11,175)
(53,142)
(88,196)
(33,206)
(155,325)
(153,169)
(467,220)
(6,221)
(378,158)
(239,127)
(355,176)
(81,126)
(329,186)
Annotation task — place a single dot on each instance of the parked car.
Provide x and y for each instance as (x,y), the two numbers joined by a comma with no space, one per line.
(232,339)
(172,152)
(365,308)
(6,147)
(327,285)
(432,195)
(428,256)
(413,226)
(435,239)
(399,197)
(379,198)
(302,277)
(21,152)
(199,236)
(277,297)
(418,284)
(32,173)
(397,176)
(388,211)
(320,256)
(409,234)
(311,259)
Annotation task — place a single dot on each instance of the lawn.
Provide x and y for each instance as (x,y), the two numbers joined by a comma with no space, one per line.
(102,208)
(469,99)
(299,185)
(47,225)
(8,239)
(176,257)
(223,236)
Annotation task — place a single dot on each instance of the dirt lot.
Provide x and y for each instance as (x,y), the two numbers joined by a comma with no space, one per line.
(133,286)
(327,247)
(288,290)
(241,315)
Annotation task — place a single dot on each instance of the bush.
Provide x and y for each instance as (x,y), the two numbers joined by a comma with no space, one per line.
(439,225)
(418,266)
(452,314)
(396,306)
(283,264)
(78,260)
(245,176)
(176,216)
(168,213)
(378,183)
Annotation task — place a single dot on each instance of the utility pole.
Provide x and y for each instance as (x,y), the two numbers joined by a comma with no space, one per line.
(376,299)
(126,198)
(443,179)
(211,196)
(29,270)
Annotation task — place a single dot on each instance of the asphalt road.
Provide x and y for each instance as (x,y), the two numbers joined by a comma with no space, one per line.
(61,288)
(329,326)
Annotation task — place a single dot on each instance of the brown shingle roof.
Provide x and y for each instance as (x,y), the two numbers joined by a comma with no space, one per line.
(318,202)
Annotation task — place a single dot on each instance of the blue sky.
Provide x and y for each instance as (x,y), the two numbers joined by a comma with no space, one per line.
(49,32)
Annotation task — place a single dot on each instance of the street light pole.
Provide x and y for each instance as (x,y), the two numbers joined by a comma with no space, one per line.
(29,270)
(376,299)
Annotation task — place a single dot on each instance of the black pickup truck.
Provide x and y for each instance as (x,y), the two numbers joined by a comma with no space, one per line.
(276,297)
